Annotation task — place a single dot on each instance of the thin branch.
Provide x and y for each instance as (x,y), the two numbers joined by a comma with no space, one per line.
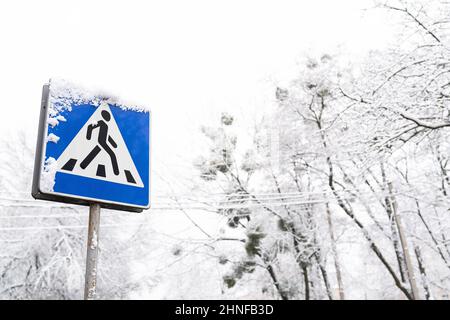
(423,124)
(405,10)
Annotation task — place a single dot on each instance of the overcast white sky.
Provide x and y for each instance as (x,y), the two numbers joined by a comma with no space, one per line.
(187,60)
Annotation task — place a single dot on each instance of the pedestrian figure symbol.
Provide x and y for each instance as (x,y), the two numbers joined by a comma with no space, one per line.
(103,139)
(101,148)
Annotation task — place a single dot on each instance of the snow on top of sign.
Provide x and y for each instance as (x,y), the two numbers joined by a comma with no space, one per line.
(64,93)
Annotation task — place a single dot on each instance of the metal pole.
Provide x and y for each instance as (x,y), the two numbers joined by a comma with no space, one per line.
(335,254)
(403,241)
(92,252)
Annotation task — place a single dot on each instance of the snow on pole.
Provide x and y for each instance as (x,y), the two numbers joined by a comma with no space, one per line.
(92,252)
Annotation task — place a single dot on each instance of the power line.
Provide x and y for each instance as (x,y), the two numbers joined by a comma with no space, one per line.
(218,205)
(214,195)
(238,198)
(66,227)
(40,216)
(210,199)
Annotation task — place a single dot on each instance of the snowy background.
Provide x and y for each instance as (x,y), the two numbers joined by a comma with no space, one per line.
(294,145)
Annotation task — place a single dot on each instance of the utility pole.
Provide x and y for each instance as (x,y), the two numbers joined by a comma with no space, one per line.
(404,243)
(92,252)
(335,254)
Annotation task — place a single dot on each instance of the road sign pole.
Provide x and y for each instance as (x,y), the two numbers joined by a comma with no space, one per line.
(92,252)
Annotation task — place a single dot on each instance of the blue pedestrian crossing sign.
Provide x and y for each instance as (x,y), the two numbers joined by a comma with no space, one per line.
(92,150)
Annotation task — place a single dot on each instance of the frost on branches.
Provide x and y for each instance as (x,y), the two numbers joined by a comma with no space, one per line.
(357,203)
